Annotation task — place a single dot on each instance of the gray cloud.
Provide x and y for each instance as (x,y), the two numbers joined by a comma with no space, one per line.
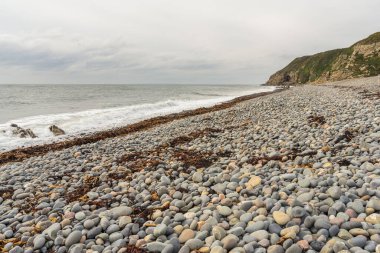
(34,58)
(200,41)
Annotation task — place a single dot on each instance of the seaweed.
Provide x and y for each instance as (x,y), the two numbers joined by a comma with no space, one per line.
(316,119)
(130,157)
(347,135)
(100,202)
(137,161)
(117,175)
(89,182)
(134,249)
(370,95)
(144,163)
(154,196)
(15,241)
(344,162)
(28,205)
(196,159)
(225,153)
(180,140)
(141,214)
(6,193)
(193,135)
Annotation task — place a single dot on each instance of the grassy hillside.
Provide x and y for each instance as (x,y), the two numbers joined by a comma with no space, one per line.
(359,60)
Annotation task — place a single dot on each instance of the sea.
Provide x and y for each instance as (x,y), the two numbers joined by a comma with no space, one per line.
(82,109)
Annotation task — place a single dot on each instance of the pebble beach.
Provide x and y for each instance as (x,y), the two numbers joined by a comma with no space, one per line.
(293,171)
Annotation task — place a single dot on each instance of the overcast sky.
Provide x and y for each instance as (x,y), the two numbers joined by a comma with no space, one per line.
(162,41)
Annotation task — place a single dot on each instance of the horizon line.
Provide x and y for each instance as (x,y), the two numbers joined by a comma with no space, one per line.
(131,84)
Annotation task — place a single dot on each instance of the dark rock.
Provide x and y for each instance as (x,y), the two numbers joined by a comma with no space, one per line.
(56,130)
(309,221)
(21,132)
(334,230)
(274,228)
(358,241)
(317,245)
(322,223)
(298,212)
(294,249)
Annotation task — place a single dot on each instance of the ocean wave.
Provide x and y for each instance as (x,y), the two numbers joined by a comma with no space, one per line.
(88,121)
(207,94)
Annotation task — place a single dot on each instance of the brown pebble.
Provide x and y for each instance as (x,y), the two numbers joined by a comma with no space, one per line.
(303,244)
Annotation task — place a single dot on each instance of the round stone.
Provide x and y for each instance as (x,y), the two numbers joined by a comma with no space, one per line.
(275,249)
(197,177)
(335,192)
(253,182)
(155,246)
(294,249)
(39,241)
(186,235)
(16,249)
(374,203)
(218,249)
(246,217)
(224,210)
(160,230)
(305,183)
(80,216)
(373,218)
(230,241)
(260,235)
(298,212)
(115,236)
(358,241)
(88,224)
(218,232)
(281,218)
(73,238)
(124,220)
(195,244)
(305,197)
(116,212)
(322,223)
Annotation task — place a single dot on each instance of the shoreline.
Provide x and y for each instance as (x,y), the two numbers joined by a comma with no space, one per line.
(295,171)
(19,154)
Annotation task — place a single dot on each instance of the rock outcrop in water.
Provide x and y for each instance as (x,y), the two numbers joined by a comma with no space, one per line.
(360,60)
(21,132)
(56,130)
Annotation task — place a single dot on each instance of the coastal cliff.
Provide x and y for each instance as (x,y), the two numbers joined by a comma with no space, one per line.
(362,59)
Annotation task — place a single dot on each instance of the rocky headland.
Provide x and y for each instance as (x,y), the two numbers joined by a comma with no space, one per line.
(362,59)
(293,171)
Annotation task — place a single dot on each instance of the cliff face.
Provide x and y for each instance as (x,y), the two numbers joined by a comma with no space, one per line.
(360,60)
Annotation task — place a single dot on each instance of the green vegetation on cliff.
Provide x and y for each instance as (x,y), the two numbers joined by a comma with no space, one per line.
(360,60)
(374,38)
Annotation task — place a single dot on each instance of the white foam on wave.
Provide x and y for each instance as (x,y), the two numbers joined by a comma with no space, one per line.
(85,122)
